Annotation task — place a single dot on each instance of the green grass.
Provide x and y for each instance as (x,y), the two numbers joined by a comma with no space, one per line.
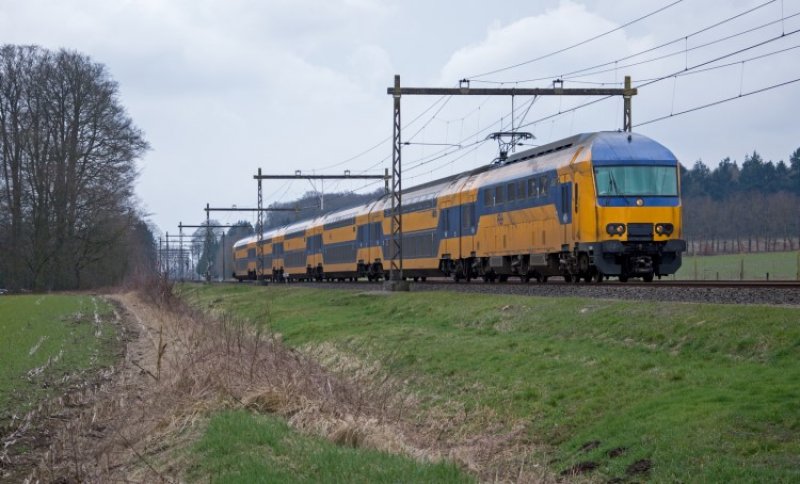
(752,266)
(242,447)
(55,333)
(706,392)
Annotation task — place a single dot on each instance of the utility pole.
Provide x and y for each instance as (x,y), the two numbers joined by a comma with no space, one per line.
(260,231)
(208,245)
(259,224)
(209,226)
(168,274)
(397,92)
(180,255)
(170,254)
(396,248)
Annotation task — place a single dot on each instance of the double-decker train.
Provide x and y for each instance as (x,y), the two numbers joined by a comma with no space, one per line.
(588,207)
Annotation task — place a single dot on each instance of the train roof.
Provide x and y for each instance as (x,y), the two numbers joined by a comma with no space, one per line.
(606,146)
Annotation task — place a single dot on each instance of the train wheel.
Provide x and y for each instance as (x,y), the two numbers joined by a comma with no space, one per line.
(416,278)
(525,278)
(423,278)
(598,277)
(623,278)
(503,278)
(648,277)
(567,277)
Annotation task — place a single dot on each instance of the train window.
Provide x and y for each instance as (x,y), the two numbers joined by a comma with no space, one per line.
(533,188)
(512,191)
(488,198)
(565,199)
(251,253)
(498,195)
(521,189)
(543,186)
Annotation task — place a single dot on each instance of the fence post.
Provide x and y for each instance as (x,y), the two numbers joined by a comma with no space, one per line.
(741,269)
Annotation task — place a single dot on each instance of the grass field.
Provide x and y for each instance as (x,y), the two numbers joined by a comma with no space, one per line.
(680,392)
(242,447)
(752,266)
(45,337)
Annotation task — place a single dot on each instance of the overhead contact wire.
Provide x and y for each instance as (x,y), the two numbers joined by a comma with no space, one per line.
(583,42)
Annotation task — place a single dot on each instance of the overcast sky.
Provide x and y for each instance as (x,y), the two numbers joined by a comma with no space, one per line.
(223,87)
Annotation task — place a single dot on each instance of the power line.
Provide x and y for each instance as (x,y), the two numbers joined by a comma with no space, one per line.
(428,122)
(724,56)
(475,148)
(721,101)
(384,140)
(735,63)
(676,73)
(683,38)
(583,42)
(680,52)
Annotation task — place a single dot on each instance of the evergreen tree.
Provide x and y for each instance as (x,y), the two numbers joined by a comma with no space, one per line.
(794,168)
(782,178)
(724,180)
(695,182)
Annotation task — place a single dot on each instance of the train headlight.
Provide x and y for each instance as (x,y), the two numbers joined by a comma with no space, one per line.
(664,229)
(615,229)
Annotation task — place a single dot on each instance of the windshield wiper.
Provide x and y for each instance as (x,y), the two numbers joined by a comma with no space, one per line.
(612,181)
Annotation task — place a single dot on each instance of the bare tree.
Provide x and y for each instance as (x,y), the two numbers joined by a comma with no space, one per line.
(68,158)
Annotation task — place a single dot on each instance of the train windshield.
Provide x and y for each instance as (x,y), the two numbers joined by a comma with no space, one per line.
(654,181)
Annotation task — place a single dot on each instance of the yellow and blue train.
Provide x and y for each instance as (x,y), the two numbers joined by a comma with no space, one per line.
(588,207)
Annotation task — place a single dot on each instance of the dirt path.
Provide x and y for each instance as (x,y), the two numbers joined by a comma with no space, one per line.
(179,366)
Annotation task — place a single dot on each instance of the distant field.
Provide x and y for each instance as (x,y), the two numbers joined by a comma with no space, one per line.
(752,266)
(45,337)
(642,390)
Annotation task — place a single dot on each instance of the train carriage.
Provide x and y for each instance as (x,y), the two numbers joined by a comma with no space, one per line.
(591,206)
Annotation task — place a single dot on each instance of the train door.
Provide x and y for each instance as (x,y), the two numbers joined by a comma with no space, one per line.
(468,227)
(565,209)
(376,238)
(448,244)
(584,210)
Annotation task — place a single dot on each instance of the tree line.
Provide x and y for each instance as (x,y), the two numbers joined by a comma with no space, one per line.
(68,215)
(752,208)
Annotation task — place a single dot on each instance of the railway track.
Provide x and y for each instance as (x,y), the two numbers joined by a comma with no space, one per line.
(716,292)
(611,284)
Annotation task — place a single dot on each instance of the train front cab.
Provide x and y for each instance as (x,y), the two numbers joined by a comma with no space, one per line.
(638,209)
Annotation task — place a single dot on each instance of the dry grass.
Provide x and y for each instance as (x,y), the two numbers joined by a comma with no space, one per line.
(179,366)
